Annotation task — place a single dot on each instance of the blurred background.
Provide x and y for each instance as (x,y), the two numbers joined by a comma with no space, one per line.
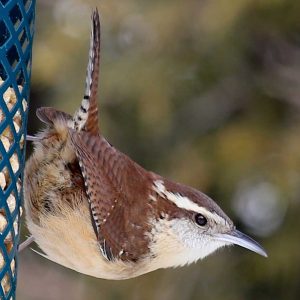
(206,93)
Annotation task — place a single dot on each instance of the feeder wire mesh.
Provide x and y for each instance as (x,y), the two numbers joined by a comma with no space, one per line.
(16,35)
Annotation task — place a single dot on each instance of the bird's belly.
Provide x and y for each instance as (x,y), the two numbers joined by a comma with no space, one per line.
(63,229)
(70,240)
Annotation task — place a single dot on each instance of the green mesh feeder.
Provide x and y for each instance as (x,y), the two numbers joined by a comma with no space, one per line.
(16,34)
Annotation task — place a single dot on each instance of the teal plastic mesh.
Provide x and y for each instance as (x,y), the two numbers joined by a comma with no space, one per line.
(16,35)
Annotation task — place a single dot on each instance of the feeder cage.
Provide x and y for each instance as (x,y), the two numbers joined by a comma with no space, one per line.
(16,34)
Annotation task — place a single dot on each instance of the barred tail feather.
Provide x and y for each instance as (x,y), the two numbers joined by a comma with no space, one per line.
(86,118)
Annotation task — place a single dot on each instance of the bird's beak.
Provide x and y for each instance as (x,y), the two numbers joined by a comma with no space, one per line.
(238,238)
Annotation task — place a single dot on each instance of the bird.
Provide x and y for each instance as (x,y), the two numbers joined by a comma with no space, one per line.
(91,208)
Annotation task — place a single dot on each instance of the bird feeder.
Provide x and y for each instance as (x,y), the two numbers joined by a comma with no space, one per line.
(16,35)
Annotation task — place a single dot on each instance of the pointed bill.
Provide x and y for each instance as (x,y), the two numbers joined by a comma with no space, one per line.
(238,238)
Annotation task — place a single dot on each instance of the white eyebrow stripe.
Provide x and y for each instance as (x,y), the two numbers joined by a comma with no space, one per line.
(182,201)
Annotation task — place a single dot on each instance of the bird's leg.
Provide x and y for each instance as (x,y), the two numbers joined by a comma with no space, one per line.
(32,138)
(26,243)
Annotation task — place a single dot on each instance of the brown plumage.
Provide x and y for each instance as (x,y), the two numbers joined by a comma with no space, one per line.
(114,183)
(91,208)
(87,115)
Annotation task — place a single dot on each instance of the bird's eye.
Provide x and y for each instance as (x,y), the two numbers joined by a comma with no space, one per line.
(200,220)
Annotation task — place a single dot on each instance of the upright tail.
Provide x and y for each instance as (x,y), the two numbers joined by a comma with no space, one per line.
(86,117)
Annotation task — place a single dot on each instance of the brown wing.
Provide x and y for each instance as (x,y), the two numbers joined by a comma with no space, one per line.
(116,188)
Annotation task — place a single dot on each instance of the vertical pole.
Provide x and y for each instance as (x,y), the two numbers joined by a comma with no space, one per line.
(16,35)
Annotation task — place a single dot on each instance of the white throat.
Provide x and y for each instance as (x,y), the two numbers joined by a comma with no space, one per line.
(176,243)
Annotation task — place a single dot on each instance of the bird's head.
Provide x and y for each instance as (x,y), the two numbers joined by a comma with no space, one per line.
(191,225)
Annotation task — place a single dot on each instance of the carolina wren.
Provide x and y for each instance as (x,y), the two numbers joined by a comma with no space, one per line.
(91,208)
